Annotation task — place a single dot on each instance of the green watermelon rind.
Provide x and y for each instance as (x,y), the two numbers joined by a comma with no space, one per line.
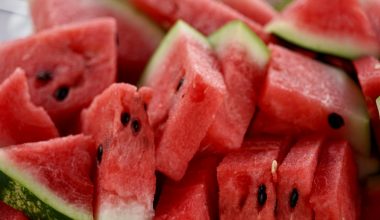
(43,202)
(237,32)
(339,45)
(180,29)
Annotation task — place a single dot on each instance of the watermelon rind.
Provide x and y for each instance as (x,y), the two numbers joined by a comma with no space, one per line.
(22,191)
(238,32)
(342,46)
(378,104)
(179,29)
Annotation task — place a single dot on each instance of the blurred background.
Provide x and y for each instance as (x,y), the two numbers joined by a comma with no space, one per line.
(14,19)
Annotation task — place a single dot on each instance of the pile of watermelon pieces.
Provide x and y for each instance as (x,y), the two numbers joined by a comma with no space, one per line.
(192,109)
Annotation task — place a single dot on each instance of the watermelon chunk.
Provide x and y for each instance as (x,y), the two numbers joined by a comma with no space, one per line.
(125,177)
(294,96)
(243,58)
(19,115)
(246,186)
(7,212)
(204,15)
(189,90)
(137,36)
(50,179)
(66,67)
(195,196)
(295,179)
(335,189)
(334,27)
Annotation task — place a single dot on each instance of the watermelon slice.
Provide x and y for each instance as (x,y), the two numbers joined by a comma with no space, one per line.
(257,10)
(204,15)
(295,179)
(125,177)
(189,90)
(246,186)
(335,188)
(243,57)
(7,212)
(66,67)
(294,96)
(50,179)
(334,27)
(18,115)
(137,36)
(195,196)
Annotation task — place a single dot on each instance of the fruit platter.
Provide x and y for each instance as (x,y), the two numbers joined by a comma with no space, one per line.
(190,109)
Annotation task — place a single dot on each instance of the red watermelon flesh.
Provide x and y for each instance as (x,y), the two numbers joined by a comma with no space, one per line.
(334,27)
(371,199)
(372,9)
(246,186)
(204,15)
(257,10)
(335,189)
(9,213)
(125,177)
(19,115)
(66,66)
(295,179)
(137,36)
(195,196)
(189,90)
(293,93)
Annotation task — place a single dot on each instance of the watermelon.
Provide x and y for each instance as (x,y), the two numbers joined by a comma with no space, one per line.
(50,179)
(204,15)
(334,193)
(295,179)
(246,186)
(257,10)
(372,9)
(294,96)
(188,91)
(137,36)
(371,199)
(125,182)
(334,27)
(19,115)
(7,212)
(65,67)
(195,196)
(243,58)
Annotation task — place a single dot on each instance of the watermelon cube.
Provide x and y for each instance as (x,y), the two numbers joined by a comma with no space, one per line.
(334,193)
(20,120)
(188,91)
(195,196)
(295,179)
(125,182)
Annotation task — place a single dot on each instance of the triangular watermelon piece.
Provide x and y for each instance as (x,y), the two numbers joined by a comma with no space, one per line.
(66,66)
(126,162)
(137,36)
(50,179)
(7,212)
(335,27)
(188,91)
(20,120)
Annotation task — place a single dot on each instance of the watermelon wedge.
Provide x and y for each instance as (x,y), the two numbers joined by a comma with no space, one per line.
(195,196)
(335,187)
(204,15)
(19,115)
(188,91)
(7,212)
(294,96)
(125,182)
(295,179)
(66,67)
(334,27)
(50,179)
(137,35)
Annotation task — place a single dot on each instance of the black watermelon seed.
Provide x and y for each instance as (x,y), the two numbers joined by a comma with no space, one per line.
(44,76)
(335,120)
(100,153)
(262,195)
(61,93)
(145,107)
(125,118)
(293,198)
(180,83)
(136,126)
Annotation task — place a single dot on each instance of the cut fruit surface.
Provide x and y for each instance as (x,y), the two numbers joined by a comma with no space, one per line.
(7,212)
